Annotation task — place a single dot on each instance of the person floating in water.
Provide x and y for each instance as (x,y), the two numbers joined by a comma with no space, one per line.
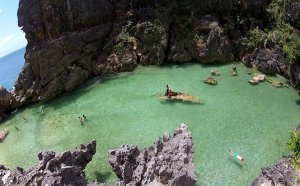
(235,155)
(81,120)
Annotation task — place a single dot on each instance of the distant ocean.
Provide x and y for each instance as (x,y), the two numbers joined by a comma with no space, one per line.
(10,67)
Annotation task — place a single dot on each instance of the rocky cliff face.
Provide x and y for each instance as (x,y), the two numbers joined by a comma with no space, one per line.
(292,12)
(270,61)
(167,162)
(71,41)
(66,168)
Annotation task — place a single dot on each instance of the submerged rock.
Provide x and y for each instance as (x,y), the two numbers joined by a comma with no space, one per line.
(66,168)
(281,173)
(167,162)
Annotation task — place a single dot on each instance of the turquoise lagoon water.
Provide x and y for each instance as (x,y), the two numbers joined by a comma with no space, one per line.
(253,120)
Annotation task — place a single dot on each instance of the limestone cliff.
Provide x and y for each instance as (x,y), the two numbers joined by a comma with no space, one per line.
(72,41)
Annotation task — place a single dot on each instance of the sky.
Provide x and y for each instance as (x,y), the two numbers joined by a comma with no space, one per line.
(12,37)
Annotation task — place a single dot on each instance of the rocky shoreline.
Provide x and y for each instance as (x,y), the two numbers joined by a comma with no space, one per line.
(167,162)
(281,173)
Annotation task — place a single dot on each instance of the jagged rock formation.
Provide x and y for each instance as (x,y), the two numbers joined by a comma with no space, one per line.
(265,60)
(281,173)
(292,12)
(271,61)
(167,162)
(72,41)
(6,101)
(66,168)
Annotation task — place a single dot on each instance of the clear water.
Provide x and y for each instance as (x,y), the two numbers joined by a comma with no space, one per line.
(10,67)
(253,120)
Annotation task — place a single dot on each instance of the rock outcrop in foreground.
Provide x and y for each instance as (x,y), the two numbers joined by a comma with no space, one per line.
(167,162)
(53,169)
(281,173)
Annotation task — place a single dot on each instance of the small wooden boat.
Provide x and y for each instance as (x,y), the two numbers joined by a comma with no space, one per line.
(3,134)
(210,81)
(214,73)
(181,97)
(253,82)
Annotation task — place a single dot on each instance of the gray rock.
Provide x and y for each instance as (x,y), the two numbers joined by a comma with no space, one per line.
(292,12)
(167,162)
(281,173)
(268,61)
(66,168)
(7,102)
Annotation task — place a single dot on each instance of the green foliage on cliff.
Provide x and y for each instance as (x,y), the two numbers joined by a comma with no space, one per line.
(124,39)
(282,34)
(199,40)
(294,145)
(154,29)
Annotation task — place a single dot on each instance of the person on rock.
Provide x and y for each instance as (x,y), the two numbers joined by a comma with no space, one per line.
(167,90)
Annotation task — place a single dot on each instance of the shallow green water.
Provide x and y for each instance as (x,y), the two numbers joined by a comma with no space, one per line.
(252,120)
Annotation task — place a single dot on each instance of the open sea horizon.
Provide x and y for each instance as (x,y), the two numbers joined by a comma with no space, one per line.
(10,67)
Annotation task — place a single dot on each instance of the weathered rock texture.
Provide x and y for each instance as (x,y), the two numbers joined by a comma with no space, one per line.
(70,41)
(53,169)
(271,61)
(292,12)
(167,162)
(281,173)
(6,102)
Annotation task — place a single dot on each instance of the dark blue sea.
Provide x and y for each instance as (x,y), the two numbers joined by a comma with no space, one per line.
(10,67)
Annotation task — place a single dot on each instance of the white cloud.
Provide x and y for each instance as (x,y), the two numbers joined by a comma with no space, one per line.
(5,40)
(11,43)
(1,10)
